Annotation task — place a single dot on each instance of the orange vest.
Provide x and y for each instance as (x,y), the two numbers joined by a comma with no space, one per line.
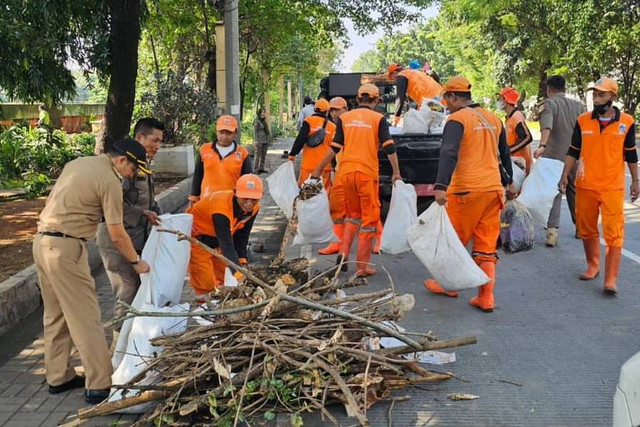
(477,169)
(361,142)
(421,85)
(512,137)
(220,202)
(602,153)
(221,174)
(312,156)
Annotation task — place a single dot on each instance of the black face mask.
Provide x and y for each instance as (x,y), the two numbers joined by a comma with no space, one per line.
(601,109)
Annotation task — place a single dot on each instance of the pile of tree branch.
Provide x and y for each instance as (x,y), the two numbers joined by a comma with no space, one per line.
(282,342)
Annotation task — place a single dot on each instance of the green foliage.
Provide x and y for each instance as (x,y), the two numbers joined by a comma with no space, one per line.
(33,156)
(186,110)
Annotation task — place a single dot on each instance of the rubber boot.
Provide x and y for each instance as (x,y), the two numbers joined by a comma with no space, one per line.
(376,248)
(611,269)
(484,301)
(365,243)
(433,287)
(333,247)
(592,253)
(348,235)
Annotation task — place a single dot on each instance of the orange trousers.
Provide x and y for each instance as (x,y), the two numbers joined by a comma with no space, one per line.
(361,200)
(336,201)
(477,216)
(205,271)
(326,178)
(610,204)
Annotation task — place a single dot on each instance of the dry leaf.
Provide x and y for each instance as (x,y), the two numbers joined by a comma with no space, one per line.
(223,371)
(463,396)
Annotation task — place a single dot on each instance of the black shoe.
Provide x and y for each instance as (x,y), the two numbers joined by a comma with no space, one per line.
(75,382)
(263,171)
(258,172)
(94,397)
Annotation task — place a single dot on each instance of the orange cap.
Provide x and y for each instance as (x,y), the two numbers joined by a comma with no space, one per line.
(368,89)
(456,84)
(227,122)
(249,186)
(338,102)
(321,105)
(510,95)
(393,67)
(606,84)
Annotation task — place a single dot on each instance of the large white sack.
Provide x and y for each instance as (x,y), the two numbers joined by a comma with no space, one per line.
(518,176)
(283,187)
(414,122)
(314,220)
(403,213)
(169,260)
(435,242)
(140,351)
(541,187)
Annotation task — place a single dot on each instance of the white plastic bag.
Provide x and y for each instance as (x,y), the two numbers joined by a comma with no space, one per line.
(518,176)
(283,187)
(140,351)
(414,122)
(541,187)
(314,220)
(435,242)
(169,260)
(403,212)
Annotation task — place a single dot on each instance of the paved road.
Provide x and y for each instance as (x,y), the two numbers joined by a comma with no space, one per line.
(562,339)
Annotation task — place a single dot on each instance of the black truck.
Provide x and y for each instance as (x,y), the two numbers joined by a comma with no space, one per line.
(418,153)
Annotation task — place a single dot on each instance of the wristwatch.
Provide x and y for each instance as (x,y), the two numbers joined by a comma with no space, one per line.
(136,261)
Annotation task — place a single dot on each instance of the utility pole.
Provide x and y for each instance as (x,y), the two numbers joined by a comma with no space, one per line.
(232,60)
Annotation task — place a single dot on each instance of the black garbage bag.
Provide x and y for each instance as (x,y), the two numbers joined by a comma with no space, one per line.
(516,228)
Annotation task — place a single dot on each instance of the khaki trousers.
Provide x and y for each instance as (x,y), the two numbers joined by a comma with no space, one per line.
(124,280)
(71,312)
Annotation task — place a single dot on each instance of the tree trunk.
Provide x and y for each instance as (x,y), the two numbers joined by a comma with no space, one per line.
(124,38)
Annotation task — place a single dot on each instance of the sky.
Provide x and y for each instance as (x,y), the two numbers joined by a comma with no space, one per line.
(360,44)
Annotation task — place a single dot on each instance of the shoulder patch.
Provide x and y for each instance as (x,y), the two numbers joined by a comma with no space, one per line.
(622,128)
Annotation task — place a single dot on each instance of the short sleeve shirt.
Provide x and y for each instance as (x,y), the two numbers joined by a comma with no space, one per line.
(88,190)
(559,115)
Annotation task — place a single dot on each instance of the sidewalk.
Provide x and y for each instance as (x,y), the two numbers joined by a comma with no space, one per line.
(24,397)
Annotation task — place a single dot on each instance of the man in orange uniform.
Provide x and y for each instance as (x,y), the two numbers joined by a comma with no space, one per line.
(416,84)
(469,181)
(337,106)
(359,133)
(518,134)
(221,163)
(312,155)
(602,141)
(223,220)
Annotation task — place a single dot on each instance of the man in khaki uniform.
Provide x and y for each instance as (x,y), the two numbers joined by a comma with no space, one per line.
(88,189)
(140,213)
(558,115)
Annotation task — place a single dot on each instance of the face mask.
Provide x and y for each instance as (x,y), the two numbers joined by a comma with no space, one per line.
(601,109)
(500,104)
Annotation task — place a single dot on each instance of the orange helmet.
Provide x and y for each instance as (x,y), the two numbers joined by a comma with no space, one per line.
(249,186)
(510,95)
(338,102)
(393,68)
(321,105)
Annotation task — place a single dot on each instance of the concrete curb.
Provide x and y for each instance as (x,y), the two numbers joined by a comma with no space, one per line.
(20,294)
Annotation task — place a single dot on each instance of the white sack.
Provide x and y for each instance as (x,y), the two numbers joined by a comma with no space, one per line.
(541,187)
(518,176)
(169,260)
(435,242)
(283,187)
(314,220)
(414,122)
(403,213)
(140,351)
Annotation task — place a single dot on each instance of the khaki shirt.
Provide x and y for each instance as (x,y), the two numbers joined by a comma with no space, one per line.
(88,189)
(559,115)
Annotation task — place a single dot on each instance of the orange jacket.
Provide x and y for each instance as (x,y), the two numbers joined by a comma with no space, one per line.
(359,133)
(214,173)
(421,85)
(519,137)
(603,151)
(220,202)
(311,156)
